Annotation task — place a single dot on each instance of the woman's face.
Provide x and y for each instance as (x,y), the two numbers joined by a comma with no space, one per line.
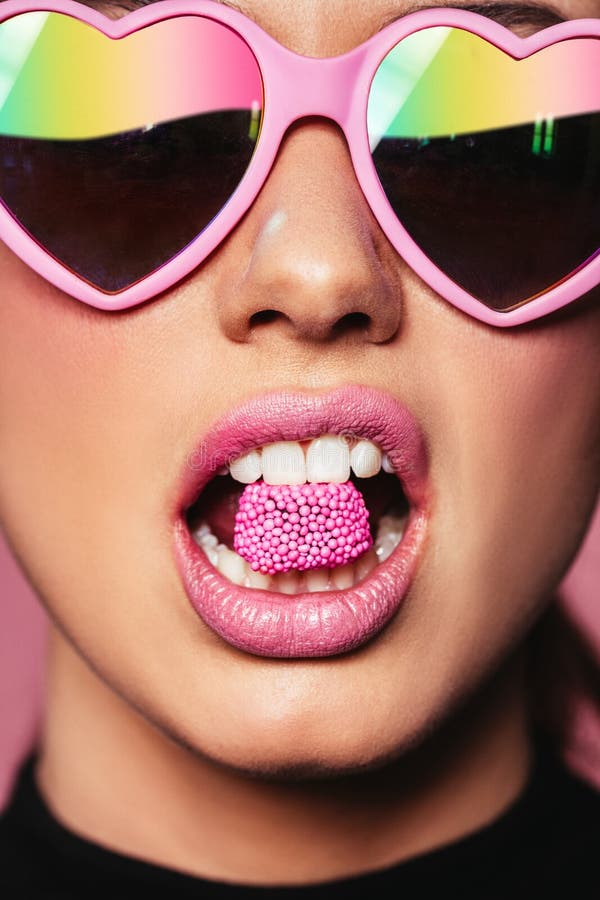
(99,413)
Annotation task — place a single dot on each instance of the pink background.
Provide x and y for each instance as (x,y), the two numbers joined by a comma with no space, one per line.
(22,630)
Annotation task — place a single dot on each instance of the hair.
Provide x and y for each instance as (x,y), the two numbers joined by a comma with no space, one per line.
(563,678)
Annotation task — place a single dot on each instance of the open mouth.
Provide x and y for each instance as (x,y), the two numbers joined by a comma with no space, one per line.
(300,519)
(328,459)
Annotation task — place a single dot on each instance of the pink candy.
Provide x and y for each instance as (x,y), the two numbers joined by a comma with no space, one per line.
(300,526)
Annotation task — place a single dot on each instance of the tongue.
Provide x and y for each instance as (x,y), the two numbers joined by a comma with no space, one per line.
(219,504)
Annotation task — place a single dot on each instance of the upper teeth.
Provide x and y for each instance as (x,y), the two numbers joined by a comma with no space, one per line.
(328,458)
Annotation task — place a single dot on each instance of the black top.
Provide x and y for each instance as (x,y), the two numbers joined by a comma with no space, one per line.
(546,843)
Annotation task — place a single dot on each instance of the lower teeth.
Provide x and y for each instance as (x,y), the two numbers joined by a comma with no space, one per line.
(238,571)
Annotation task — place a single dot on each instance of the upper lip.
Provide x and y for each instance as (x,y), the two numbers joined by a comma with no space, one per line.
(356,410)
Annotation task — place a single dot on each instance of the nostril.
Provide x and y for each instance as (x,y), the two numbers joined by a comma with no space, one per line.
(354,321)
(313,326)
(349,322)
(264,317)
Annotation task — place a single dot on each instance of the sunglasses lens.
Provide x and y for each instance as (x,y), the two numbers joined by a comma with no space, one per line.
(491,165)
(116,154)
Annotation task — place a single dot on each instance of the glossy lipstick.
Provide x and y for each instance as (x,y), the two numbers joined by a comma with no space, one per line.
(323,623)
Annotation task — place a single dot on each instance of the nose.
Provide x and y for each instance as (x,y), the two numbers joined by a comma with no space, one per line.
(309,259)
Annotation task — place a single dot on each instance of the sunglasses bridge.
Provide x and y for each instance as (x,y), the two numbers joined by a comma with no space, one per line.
(312,86)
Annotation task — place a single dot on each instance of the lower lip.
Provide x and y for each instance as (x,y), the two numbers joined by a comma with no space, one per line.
(323,623)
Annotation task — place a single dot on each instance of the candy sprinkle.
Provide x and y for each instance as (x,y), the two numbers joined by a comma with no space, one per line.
(279,527)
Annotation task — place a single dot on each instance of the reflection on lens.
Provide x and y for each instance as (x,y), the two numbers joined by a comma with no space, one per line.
(506,212)
(115,155)
(115,209)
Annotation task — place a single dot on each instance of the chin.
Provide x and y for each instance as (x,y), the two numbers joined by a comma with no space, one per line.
(308,762)
(323,743)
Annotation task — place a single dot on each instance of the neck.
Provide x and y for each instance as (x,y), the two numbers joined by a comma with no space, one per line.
(169,805)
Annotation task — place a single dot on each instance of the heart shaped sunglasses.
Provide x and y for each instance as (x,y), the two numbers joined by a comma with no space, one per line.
(130,149)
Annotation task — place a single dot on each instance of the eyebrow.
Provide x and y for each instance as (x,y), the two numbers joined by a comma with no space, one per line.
(507,14)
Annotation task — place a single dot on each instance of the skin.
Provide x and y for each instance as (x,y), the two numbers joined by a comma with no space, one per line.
(220,763)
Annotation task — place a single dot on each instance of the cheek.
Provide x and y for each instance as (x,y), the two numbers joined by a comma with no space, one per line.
(50,398)
(71,405)
(517,464)
(94,413)
(37,393)
(528,440)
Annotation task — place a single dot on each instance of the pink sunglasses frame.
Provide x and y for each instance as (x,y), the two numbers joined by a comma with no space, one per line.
(295,87)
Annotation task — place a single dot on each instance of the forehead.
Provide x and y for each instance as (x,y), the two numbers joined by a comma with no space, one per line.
(330,27)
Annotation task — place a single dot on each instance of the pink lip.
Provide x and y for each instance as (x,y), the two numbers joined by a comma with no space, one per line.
(309,624)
